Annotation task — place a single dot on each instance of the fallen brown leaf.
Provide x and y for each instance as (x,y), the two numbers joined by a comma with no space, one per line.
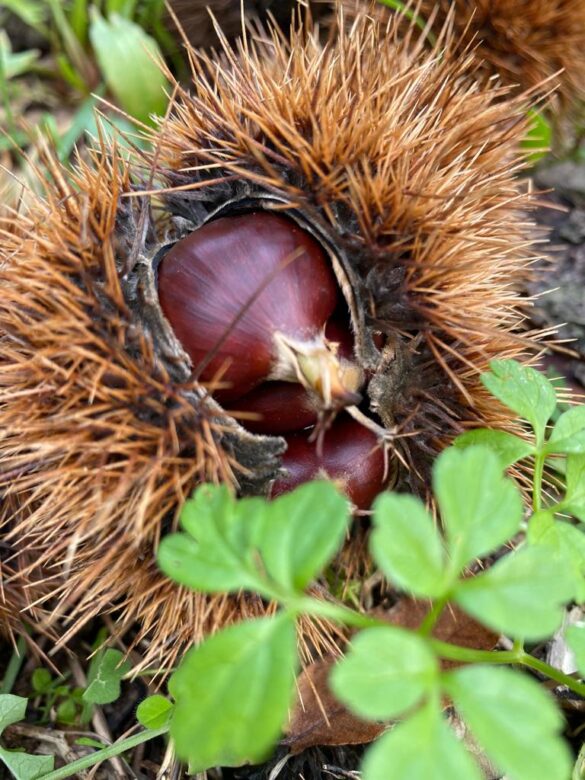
(319,719)
(453,626)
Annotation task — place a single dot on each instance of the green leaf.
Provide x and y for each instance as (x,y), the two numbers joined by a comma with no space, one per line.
(513,720)
(387,671)
(300,532)
(480,508)
(509,448)
(565,542)
(24,766)
(574,501)
(421,748)
(128,57)
(538,139)
(154,712)
(216,556)
(523,390)
(89,742)
(21,765)
(522,595)
(575,636)
(67,712)
(407,546)
(253,544)
(41,680)
(14,64)
(12,709)
(104,685)
(568,434)
(249,671)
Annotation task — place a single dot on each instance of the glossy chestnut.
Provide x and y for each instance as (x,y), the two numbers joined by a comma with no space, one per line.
(351,455)
(248,296)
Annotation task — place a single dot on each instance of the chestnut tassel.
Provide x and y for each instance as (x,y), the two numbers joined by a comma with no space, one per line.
(248,297)
(283,407)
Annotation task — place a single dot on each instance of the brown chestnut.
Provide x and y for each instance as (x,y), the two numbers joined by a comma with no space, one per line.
(248,297)
(279,407)
(350,455)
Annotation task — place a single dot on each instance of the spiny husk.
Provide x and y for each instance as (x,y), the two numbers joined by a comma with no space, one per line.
(195,18)
(409,168)
(528,43)
(401,159)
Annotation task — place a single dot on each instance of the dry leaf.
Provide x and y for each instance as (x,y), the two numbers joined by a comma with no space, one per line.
(453,626)
(319,719)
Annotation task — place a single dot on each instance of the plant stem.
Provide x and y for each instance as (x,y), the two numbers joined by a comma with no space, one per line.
(519,657)
(555,674)
(13,667)
(537,485)
(468,655)
(104,754)
(338,612)
(433,615)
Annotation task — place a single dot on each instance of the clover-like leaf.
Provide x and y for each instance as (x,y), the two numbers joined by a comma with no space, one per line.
(217,552)
(565,542)
(387,671)
(523,390)
(508,447)
(480,507)
(249,669)
(568,434)
(253,544)
(154,712)
(522,595)
(105,678)
(574,500)
(513,719)
(407,546)
(421,747)
(301,531)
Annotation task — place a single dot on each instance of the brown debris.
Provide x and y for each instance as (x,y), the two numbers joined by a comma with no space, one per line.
(318,718)
(453,626)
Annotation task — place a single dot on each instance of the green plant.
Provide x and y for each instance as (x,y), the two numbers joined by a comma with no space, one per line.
(389,674)
(113,47)
(277,549)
